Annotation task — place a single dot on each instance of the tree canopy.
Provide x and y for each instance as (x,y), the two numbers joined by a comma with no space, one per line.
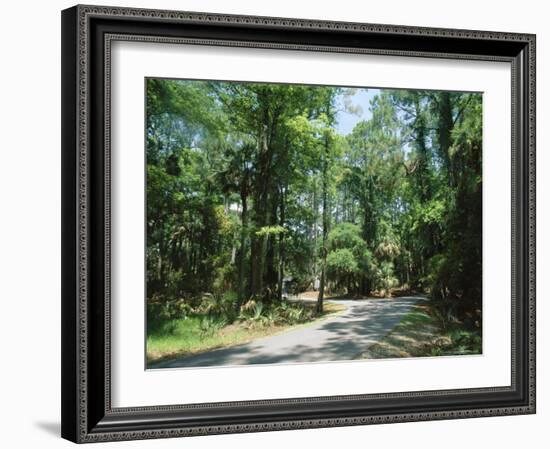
(250,185)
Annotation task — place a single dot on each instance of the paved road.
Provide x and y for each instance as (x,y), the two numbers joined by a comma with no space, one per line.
(339,338)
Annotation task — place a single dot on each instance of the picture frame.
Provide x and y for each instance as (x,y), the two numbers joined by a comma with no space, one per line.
(87,411)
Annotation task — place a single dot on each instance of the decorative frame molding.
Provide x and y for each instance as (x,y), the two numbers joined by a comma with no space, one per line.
(88,32)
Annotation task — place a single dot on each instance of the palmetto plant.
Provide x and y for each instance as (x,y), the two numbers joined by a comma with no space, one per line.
(388,249)
(211,323)
(386,278)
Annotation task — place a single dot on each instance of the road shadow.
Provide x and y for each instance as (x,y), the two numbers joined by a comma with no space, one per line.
(337,339)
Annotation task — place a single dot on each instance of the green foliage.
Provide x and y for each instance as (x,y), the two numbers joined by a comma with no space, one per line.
(251,310)
(266,231)
(342,263)
(456,271)
(219,305)
(346,235)
(159,313)
(252,188)
(256,313)
(210,324)
(348,257)
(385,277)
(387,249)
(458,342)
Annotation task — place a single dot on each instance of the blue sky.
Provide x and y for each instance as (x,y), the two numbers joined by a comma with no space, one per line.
(347,120)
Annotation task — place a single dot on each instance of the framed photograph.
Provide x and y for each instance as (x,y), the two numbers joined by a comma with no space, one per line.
(276,224)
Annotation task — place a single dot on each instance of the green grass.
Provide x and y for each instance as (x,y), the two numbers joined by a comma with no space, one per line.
(186,336)
(416,317)
(181,337)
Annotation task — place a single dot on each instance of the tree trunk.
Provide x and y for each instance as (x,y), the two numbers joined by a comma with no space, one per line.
(325,229)
(281,273)
(271,241)
(260,214)
(445,127)
(160,263)
(315,230)
(242,255)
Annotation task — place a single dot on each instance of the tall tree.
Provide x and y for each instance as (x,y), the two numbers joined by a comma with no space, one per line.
(327,136)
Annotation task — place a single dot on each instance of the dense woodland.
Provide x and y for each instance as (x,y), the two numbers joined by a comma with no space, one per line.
(252,192)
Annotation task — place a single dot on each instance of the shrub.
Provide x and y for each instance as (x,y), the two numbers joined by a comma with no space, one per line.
(160,311)
(211,323)
(221,305)
(258,313)
(385,278)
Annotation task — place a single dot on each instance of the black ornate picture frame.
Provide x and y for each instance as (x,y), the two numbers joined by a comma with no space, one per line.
(87,34)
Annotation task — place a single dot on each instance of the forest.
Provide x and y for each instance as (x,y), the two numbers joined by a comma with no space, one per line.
(257,192)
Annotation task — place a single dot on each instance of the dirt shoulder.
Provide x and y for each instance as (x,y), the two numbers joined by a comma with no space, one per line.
(419,334)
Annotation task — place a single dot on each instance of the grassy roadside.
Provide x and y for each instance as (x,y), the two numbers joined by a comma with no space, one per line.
(187,336)
(420,334)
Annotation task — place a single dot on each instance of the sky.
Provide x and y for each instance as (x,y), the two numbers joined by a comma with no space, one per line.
(347,120)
